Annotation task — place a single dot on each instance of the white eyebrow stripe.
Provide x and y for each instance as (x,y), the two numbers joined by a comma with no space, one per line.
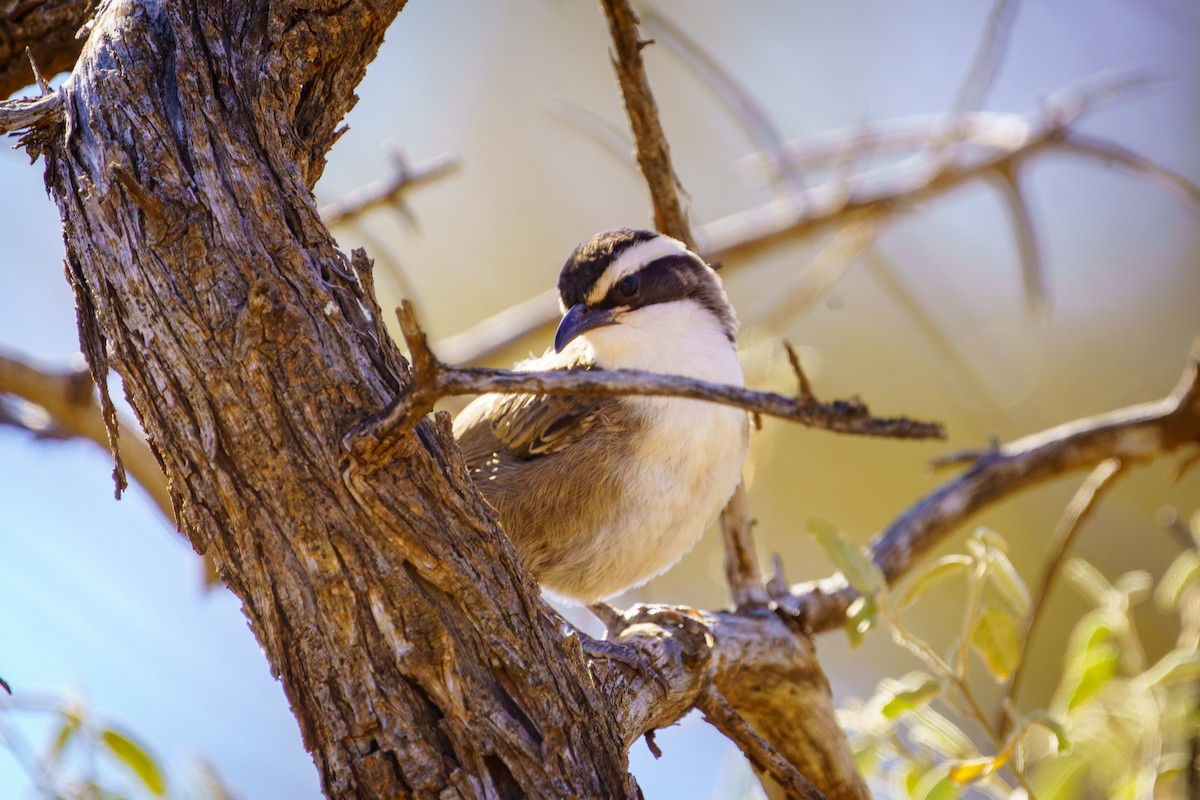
(632,259)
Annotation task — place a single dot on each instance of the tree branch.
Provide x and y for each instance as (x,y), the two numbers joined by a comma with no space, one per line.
(653,152)
(981,145)
(1133,434)
(433,380)
(389,190)
(29,112)
(49,28)
(762,755)
(67,399)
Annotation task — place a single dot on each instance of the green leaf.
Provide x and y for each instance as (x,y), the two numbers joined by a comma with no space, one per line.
(935,785)
(1006,578)
(137,759)
(1183,572)
(912,691)
(861,573)
(926,579)
(977,769)
(860,616)
(994,636)
(1095,668)
(66,731)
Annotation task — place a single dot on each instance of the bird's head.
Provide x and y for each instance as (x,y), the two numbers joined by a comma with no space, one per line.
(628,288)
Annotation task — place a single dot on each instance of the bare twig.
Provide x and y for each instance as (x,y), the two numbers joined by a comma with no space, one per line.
(1134,434)
(1081,506)
(979,145)
(500,331)
(1025,232)
(754,118)
(741,557)
(815,281)
(983,143)
(762,754)
(67,399)
(433,380)
(389,190)
(1075,143)
(653,152)
(988,57)
(592,125)
(43,86)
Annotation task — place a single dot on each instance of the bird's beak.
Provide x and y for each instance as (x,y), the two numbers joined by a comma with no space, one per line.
(580,320)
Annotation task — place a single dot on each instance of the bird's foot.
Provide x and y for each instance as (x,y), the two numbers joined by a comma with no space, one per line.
(624,654)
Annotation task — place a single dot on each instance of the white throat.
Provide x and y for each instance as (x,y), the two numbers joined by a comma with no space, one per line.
(676,338)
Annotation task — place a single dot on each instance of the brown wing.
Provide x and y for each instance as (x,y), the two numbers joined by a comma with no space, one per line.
(527,426)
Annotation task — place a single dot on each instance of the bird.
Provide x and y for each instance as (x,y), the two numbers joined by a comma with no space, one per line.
(599,494)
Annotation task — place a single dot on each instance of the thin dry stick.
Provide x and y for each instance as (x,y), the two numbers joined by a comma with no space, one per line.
(727,720)
(433,380)
(785,175)
(988,56)
(389,190)
(1029,251)
(653,152)
(741,555)
(1077,511)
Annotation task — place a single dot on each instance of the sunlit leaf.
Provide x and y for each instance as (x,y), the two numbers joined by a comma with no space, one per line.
(992,539)
(994,636)
(1088,580)
(937,733)
(135,757)
(1012,587)
(866,758)
(926,579)
(68,727)
(1183,572)
(860,616)
(974,769)
(977,768)
(1175,666)
(912,691)
(861,573)
(935,785)
(1094,669)
(1134,585)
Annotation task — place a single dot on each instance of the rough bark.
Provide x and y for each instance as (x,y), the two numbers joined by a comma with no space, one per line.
(412,646)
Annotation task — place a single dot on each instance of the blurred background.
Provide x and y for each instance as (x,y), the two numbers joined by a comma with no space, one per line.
(923,312)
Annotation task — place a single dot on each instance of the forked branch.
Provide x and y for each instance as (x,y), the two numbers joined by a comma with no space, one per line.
(1134,434)
(433,380)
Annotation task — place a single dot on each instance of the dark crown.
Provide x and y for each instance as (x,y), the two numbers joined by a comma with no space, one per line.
(677,276)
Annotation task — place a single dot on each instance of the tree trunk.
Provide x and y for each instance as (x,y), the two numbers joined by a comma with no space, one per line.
(413,648)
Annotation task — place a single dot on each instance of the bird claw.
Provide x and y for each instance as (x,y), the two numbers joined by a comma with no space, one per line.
(629,656)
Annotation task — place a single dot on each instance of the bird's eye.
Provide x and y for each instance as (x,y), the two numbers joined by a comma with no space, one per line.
(628,286)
